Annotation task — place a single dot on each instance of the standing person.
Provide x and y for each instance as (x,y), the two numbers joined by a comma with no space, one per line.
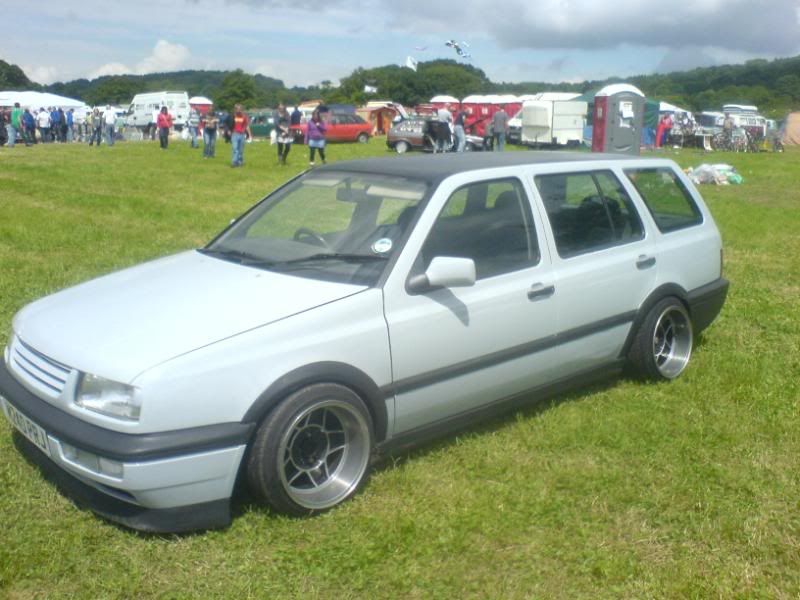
(727,128)
(62,126)
(193,122)
(96,124)
(239,131)
(296,116)
(668,123)
(315,136)
(461,136)
(109,120)
(282,122)
(43,121)
(500,128)
(164,123)
(70,124)
(14,126)
(443,120)
(55,125)
(210,124)
(28,127)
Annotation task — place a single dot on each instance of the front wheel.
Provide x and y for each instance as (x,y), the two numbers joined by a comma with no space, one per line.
(663,344)
(312,452)
(362,138)
(401,147)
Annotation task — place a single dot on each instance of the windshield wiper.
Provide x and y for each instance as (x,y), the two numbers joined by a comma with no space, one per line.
(243,258)
(343,256)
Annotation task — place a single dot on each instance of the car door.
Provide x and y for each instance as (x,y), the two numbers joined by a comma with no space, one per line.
(604,258)
(457,349)
(338,129)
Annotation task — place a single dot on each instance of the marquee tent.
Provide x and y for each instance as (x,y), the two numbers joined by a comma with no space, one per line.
(36,100)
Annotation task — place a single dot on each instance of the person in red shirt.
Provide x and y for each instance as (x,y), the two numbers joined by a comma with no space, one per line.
(164,124)
(240,130)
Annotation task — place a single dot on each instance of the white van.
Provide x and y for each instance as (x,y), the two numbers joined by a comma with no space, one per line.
(145,106)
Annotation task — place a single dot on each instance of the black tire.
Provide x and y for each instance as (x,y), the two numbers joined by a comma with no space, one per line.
(312,452)
(362,138)
(663,345)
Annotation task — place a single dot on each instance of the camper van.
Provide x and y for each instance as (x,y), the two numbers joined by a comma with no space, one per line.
(145,106)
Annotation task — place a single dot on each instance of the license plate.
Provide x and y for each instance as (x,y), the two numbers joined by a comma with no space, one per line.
(26,427)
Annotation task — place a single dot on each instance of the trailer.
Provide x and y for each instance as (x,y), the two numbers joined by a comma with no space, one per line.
(553,122)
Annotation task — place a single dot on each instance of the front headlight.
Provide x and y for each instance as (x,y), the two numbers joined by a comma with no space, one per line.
(108,397)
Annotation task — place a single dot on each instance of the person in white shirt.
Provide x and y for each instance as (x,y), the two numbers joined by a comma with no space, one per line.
(43,122)
(444,118)
(110,119)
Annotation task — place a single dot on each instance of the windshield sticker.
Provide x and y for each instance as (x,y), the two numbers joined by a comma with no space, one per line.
(382,246)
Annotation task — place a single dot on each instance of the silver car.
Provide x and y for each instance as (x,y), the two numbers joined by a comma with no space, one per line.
(361,306)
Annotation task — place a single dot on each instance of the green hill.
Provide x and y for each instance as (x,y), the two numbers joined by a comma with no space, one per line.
(774,86)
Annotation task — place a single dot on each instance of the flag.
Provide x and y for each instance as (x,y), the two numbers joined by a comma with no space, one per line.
(411,63)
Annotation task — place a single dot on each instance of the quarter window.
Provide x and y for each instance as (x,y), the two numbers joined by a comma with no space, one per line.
(666,198)
(489,222)
(588,211)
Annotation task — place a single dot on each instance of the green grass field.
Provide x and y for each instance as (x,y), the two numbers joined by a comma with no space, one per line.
(627,490)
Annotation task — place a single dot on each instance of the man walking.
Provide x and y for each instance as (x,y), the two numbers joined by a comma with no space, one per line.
(43,121)
(500,128)
(240,130)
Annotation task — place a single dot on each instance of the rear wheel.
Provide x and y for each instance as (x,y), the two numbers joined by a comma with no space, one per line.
(362,138)
(312,452)
(663,344)
(401,147)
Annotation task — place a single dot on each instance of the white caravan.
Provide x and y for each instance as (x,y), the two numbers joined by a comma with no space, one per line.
(553,122)
(145,106)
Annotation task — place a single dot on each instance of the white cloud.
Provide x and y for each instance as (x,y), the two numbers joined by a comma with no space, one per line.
(164,58)
(41,74)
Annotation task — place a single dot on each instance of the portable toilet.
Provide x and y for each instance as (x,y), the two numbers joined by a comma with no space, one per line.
(618,118)
(479,109)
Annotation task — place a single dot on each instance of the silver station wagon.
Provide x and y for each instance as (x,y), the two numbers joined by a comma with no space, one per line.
(362,306)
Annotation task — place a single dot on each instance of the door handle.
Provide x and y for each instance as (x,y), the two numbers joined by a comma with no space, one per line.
(645,262)
(539,291)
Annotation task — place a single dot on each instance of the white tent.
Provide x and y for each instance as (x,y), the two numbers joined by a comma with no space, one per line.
(37,100)
(666,107)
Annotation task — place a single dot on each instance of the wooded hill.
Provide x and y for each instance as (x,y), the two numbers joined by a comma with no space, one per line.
(774,86)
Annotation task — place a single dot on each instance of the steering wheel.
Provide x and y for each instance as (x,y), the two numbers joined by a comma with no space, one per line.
(305,232)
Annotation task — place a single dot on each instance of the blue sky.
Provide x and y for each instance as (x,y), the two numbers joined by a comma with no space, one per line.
(305,42)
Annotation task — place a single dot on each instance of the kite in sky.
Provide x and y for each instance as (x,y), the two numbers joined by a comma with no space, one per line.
(459,48)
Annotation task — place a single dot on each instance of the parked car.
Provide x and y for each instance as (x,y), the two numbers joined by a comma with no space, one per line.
(416,133)
(362,306)
(341,128)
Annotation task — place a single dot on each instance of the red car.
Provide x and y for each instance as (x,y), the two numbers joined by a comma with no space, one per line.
(341,128)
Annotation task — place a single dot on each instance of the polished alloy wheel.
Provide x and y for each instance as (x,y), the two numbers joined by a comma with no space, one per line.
(324,454)
(672,341)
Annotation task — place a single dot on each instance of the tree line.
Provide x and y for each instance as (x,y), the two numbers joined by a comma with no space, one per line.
(774,86)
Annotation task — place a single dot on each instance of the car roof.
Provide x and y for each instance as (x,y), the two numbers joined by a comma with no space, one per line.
(433,167)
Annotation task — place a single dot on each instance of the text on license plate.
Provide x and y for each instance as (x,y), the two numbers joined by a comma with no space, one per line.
(26,427)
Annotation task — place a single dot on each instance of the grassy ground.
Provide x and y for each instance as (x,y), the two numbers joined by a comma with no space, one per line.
(630,490)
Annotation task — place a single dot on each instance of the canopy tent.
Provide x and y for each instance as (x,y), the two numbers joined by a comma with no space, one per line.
(36,100)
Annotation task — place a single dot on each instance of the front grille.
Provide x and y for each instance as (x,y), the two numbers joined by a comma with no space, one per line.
(37,370)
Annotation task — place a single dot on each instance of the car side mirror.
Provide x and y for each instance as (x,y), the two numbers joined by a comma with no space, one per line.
(443,272)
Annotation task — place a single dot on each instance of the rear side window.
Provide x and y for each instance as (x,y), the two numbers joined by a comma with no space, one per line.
(666,198)
(588,211)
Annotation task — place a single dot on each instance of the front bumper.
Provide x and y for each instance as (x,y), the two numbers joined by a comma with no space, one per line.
(167,481)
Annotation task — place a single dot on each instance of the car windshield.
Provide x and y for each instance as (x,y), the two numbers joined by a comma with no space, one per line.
(330,225)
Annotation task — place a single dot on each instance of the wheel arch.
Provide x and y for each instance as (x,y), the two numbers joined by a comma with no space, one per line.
(664,291)
(324,372)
